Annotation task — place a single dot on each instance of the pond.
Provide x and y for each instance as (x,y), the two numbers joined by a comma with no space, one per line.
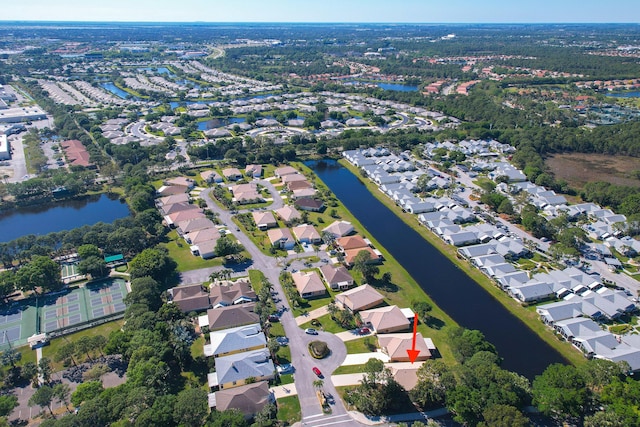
(63,215)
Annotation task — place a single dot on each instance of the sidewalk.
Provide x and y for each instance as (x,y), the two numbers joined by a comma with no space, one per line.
(350,336)
(362,358)
(313,314)
(284,390)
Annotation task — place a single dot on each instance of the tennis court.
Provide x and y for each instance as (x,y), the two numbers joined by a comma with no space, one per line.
(17,323)
(72,307)
(69,270)
(85,304)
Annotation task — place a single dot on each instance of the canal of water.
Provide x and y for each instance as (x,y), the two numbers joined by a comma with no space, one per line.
(452,290)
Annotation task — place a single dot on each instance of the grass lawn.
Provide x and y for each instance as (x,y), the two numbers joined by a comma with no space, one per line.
(256,277)
(285,379)
(179,251)
(284,355)
(289,410)
(361,345)
(328,324)
(50,351)
(197,348)
(276,330)
(349,369)
(313,304)
(410,291)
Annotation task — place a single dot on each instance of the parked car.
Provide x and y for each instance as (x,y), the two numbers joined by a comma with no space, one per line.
(311,331)
(287,368)
(282,340)
(273,318)
(317,372)
(364,331)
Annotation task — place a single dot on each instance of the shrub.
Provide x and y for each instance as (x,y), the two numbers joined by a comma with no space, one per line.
(319,349)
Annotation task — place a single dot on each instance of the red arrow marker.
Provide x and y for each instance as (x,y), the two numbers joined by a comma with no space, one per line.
(413,353)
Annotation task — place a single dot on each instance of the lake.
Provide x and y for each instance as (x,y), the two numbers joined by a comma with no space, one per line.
(117,91)
(58,216)
(631,94)
(451,289)
(218,123)
(386,86)
(398,87)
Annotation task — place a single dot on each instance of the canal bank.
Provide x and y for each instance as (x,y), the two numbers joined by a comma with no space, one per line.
(451,288)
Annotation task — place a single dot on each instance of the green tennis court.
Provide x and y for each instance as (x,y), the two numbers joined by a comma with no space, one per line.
(69,270)
(77,307)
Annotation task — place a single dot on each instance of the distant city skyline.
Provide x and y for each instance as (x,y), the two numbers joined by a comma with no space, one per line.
(365,11)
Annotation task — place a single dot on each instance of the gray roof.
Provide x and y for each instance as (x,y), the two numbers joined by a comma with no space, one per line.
(240,366)
(235,339)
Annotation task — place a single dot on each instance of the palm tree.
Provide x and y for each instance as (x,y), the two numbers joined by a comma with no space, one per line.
(318,384)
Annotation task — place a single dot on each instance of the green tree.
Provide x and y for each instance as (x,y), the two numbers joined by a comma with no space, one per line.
(362,264)
(88,250)
(45,369)
(467,342)
(422,309)
(225,246)
(61,394)
(435,378)
(86,391)
(42,272)
(65,353)
(146,291)
(154,263)
(94,266)
(560,392)
(43,397)
(7,284)
(8,402)
(229,418)
(191,407)
(503,416)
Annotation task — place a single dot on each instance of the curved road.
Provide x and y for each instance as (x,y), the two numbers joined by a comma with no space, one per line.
(302,361)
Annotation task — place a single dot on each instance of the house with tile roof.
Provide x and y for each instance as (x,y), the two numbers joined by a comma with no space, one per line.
(309,284)
(211,176)
(248,399)
(285,170)
(229,317)
(385,320)
(396,346)
(306,233)
(309,204)
(339,229)
(190,298)
(254,171)
(174,198)
(224,294)
(191,225)
(281,238)
(288,213)
(232,174)
(337,277)
(359,298)
(264,220)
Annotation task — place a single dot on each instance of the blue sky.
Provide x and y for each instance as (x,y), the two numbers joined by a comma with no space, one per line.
(428,11)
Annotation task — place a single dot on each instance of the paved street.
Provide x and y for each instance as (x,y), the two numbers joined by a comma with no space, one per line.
(302,361)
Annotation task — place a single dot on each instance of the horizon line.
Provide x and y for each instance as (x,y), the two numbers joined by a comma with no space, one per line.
(326,22)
